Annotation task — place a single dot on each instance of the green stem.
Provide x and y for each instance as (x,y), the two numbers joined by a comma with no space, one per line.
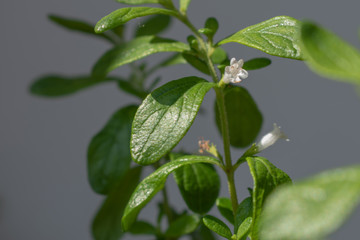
(167,209)
(220,99)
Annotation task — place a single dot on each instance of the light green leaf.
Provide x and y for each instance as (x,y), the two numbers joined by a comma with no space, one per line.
(313,208)
(153,25)
(244,229)
(152,184)
(244,117)
(134,50)
(224,206)
(217,226)
(328,55)
(266,178)
(78,26)
(277,36)
(164,117)
(183,225)
(58,86)
(124,15)
(199,186)
(219,55)
(184,4)
(142,228)
(244,211)
(108,153)
(256,63)
(107,223)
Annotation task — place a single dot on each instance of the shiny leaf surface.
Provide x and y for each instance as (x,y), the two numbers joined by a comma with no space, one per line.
(165,116)
(153,26)
(217,226)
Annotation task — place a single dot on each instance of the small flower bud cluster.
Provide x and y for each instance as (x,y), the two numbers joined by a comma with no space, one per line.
(235,73)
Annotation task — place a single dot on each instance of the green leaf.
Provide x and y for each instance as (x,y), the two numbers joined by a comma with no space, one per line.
(224,206)
(124,15)
(256,63)
(328,55)
(153,26)
(142,228)
(219,55)
(202,233)
(165,116)
(244,229)
(126,86)
(107,223)
(266,178)
(313,208)
(197,63)
(134,50)
(183,225)
(152,184)
(277,36)
(184,4)
(58,86)
(78,26)
(244,210)
(177,58)
(108,153)
(217,226)
(199,185)
(244,117)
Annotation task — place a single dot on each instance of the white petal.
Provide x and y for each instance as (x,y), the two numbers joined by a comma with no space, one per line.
(241,62)
(243,74)
(232,61)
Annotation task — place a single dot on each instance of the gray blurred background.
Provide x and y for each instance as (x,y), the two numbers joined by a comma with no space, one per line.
(44,193)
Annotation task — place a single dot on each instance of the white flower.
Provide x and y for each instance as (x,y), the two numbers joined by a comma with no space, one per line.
(270,138)
(235,73)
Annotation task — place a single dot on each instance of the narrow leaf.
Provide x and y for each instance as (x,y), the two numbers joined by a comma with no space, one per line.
(313,208)
(78,26)
(244,117)
(165,116)
(126,86)
(108,153)
(203,233)
(152,184)
(266,178)
(134,50)
(142,228)
(217,226)
(244,211)
(58,86)
(277,36)
(153,26)
(224,206)
(184,4)
(199,185)
(328,55)
(196,62)
(107,223)
(244,229)
(256,63)
(183,225)
(138,2)
(124,15)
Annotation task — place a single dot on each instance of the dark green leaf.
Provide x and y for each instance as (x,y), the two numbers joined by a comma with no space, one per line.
(328,55)
(173,60)
(183,225)
(134,50)
(244,117)
(203,233)
(138,2)
(217,226)
(219,55)
(108,153)
(152,184)
(266,178)
(165,116)
(196,62)
(199,185)
(224,206)
(243,218)
(211,26)
(78,26)
(256,63)
(58,86)
(142,228)
(124,15)
(277,36)
(153,26)
(107,223)
(184,4)
(313,208)
(126,86)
